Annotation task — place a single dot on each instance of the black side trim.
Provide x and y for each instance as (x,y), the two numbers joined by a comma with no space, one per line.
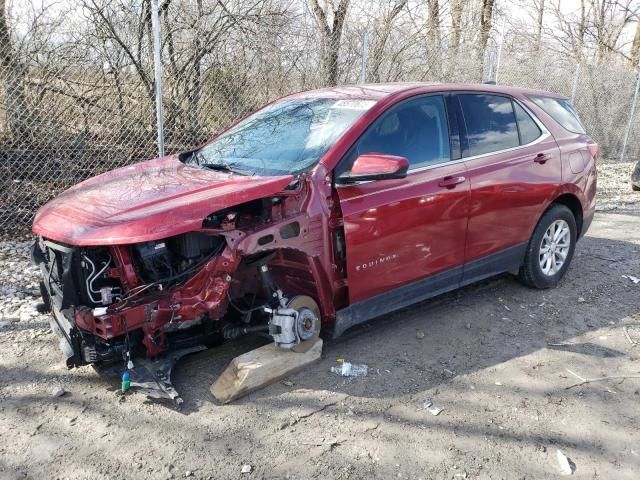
(396,299)
(429,287)
(494,264)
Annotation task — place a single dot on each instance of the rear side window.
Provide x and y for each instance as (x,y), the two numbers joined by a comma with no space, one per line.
(561,110)
(528,128)
(490,124)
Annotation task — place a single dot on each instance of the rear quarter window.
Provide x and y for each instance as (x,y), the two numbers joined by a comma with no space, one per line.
(529,130)
(561,110)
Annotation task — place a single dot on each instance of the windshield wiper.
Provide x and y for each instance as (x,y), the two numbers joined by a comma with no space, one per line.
(225,167)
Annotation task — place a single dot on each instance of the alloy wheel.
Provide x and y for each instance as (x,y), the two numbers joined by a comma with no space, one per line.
(554,247)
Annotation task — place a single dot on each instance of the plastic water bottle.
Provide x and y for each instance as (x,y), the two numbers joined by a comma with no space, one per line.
(348,369)
(126,382)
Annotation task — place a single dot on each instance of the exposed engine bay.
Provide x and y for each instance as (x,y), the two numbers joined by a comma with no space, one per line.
(244,272)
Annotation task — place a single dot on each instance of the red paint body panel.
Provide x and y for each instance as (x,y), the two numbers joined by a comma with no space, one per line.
(399,231)
(146,201)
(509,192)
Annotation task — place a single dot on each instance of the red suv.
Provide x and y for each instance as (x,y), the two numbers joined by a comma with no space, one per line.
(324,208)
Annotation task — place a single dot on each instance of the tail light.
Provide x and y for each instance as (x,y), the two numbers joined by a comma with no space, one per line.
(594,148)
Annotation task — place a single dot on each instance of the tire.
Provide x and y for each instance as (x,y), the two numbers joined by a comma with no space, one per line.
(547,259)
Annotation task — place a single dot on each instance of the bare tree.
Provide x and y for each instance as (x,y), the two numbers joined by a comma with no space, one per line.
(457,7)
(608,22)
(381,38)
(635,47)
(331,32)
(20,120)
(433,24)
(539,6)
(486,16)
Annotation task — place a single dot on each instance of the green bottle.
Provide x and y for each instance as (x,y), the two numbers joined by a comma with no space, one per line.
(126,382)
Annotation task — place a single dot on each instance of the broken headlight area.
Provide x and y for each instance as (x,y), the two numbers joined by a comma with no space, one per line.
(139,299)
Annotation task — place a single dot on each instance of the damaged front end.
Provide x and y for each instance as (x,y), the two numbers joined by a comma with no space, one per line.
(136,299)
(253,268)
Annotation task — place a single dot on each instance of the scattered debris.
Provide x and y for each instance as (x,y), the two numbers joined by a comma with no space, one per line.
(600,379)
(635,280)
(348,369)
(575,375)
(433,410)
(330,443)
(57,392)
(567,467)
(246,468)
(188,473)
(626,334)
(419,334)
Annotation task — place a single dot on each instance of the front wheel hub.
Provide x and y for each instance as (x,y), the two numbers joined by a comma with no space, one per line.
(298,324)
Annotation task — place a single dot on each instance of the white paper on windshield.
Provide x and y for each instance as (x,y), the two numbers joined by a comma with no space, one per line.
(354,104)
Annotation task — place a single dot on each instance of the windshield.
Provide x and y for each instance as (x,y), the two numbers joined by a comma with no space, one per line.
(289,136)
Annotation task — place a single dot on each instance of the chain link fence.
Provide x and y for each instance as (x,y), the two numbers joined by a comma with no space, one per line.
(77,103)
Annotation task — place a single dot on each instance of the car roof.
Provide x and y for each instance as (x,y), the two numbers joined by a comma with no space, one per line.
(380,91)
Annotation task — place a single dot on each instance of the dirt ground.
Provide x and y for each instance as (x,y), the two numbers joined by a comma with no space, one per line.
(504,362)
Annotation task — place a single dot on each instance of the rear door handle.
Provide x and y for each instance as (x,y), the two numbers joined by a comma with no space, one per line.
(451,182)
(542,158)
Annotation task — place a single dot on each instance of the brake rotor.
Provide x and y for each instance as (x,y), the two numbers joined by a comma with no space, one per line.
(308,322)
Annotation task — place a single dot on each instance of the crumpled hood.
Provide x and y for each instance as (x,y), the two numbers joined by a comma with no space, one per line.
(146,201)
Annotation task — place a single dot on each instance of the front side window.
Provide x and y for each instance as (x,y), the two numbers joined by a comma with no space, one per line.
(415,129)
(490,124)
(561,110)
(289,136)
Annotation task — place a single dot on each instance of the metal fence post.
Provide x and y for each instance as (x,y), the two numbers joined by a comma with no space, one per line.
(363,56)
(157,63)
(502,35)
(633,110)
(574,89)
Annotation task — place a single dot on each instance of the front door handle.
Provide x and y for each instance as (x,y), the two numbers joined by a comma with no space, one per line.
(451,182)
(542,158)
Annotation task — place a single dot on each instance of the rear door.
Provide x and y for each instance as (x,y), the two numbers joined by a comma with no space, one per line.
(513,165)
(402,230)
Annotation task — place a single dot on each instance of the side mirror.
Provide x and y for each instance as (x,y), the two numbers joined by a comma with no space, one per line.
(375,166)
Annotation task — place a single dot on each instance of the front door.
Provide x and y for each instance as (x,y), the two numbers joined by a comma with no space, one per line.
(402,230)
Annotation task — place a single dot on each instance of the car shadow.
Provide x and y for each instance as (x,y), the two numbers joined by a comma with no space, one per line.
(474,328)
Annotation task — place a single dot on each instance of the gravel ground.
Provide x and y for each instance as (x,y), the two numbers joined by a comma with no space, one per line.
(505,363)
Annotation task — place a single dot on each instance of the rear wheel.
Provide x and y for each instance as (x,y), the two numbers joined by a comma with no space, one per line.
(550,248)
